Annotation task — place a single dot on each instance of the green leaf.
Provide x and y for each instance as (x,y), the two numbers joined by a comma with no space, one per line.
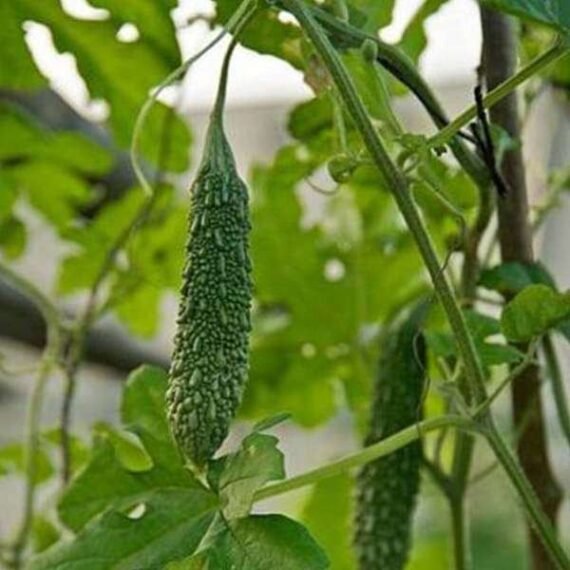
(128,450)
(310,117)
(266,34)
(255,464)
(17,68)
(79,270)
(257,543)
(535,310)
(299,365)
(19,135)
(139,310)
(511,278)
(79,452)
(331,500)
(77,152)
(143,413)
(12,237)
(555,13)
(8,196)
(414,39)
(44,533)
(22,138)
(429,554)
(13,460)
(167,525)
(122,73)
(372,88)
(105,482)
(379,13)
(483,328)
(51,189)
(152,20)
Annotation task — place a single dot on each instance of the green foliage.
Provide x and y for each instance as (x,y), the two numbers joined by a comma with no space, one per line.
(414,39)
(104,62)
(17,70)
(44,534)
(170,527)
(387,488)
(555,13)
(257,462)
(256,543)
(485,331)
(12,237)
(106,481)
(152,20)
(535,310)
(511,278)
(12,460)
(296,365)
(379,14)
(136,502)
(266,34)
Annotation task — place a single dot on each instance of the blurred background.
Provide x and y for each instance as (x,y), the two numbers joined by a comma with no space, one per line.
(262,90)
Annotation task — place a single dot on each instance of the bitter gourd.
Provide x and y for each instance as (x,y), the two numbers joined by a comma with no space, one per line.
(387,487)
(210,359)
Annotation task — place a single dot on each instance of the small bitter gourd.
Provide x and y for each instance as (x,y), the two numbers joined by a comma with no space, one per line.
(210,359)
(386,488)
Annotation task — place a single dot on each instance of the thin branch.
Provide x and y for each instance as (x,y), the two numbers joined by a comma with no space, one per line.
(439,477)
(528,360)
(370,453)
(557,51)
(49,361)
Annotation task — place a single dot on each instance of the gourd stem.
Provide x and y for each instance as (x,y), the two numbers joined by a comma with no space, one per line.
(218,112)
(241,12)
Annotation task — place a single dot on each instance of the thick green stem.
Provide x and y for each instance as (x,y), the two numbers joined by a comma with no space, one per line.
(370,453)
(530,501)
(461,551)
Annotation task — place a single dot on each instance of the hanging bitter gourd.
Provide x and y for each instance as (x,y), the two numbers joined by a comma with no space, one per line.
(210,359)
(387,487)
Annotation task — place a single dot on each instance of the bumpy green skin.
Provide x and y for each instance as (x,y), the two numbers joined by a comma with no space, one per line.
(210,360)
(387,487)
